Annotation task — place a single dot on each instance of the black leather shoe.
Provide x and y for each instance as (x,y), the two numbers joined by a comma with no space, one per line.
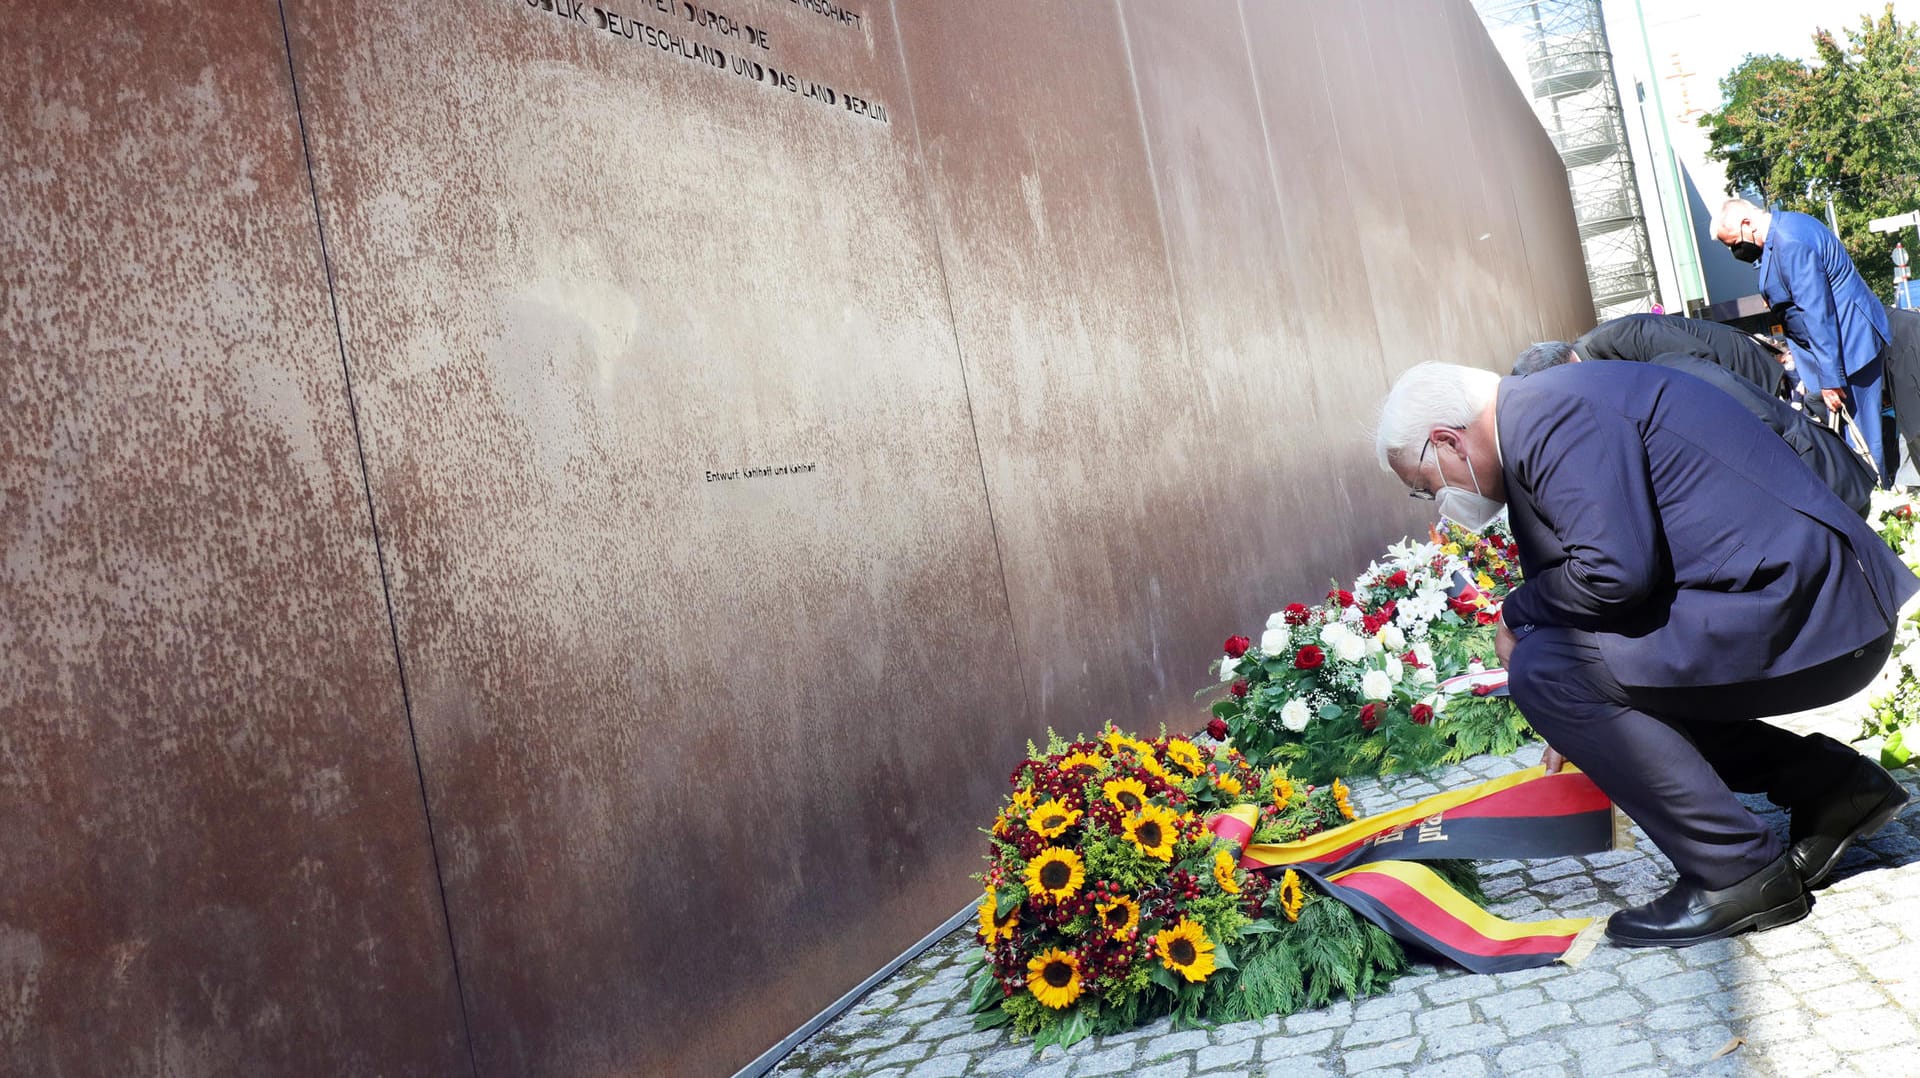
(1691,914)
(1859,805)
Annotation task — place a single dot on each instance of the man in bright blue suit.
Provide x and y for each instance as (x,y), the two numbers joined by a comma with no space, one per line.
(1836,323)
(1685,575)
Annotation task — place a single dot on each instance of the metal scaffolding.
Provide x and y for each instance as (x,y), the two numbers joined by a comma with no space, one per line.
(1570,77)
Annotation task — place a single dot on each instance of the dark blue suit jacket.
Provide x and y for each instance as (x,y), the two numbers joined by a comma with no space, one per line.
(1830,312)
(1653,510)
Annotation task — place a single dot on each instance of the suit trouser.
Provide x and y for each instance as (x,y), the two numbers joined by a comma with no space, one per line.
(1903,381)
(1673,758)
(1864,387)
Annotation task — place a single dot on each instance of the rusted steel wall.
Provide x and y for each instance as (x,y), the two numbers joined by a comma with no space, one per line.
(213,857)
(533,532)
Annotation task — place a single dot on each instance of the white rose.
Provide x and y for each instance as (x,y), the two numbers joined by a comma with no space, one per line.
(1424,676)
(1274,640)
(1424,652)
(1228,664)
(1394,669)
(1294,715)
(1277,620)
(1376,685)
(1374,646)
(1393,638)
(1351,648)
(1476,667)
(1351,613)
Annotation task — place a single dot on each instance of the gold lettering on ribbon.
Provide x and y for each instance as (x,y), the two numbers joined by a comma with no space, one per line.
(1430,829)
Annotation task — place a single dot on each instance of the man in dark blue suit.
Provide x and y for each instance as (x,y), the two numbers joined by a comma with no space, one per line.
(1685,576)
(1833,318)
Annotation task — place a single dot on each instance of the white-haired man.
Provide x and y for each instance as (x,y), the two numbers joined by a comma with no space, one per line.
(1685,575)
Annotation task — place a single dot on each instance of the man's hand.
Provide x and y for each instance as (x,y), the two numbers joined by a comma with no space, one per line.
(1552,760)
(1503,643)
(1835,398)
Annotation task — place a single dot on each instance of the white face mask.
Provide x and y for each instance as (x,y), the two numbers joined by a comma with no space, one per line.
(1472,511)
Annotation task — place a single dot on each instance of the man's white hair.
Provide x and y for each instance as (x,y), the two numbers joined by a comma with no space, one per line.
(1427,396)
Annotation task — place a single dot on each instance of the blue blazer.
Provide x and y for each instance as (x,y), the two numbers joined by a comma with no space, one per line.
(1830,312)
(1653,510)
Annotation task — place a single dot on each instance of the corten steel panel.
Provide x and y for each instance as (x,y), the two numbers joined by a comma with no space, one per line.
(1102,438)
(1285,394)
(1454,258)
(215,859)
(702,753)
(1372,122)
(1486,92)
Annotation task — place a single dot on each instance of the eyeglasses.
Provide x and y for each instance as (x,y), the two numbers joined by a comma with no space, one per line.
(1423,495)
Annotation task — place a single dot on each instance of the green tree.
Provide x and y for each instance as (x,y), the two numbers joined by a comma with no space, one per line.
(1846,125)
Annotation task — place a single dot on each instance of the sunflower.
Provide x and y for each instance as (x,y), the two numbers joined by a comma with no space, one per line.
(1223,865)
(1120,916)
(1118,743)
(1282,789)
(1022,801)
(993,928)
(1127,795)
(1340,794)
(1054,978)
(1056,873)
(1151,830)
(1083,765)
(1185,755)
(1052,818)
(1231,785)
(1292,895)
(1186,950)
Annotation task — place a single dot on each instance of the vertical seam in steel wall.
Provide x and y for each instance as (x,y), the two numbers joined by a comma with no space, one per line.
(959,350)
(379,551)
(1153,184)
(1273,168)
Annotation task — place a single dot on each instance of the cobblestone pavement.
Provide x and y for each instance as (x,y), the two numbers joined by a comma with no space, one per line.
(1836,993)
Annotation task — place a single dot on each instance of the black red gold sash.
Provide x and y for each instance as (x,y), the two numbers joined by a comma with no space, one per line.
(1371,863)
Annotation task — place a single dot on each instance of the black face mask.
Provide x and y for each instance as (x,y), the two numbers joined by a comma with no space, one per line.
(1746,252)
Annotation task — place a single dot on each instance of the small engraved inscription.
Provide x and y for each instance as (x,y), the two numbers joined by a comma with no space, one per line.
(762,471)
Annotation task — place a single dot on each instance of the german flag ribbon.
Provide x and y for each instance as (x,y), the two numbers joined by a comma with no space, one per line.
(1372,864)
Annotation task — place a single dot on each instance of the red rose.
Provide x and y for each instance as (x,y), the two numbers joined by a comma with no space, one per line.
(1483,690)
(1370,718)
(1237,646)
(1296,613)
(1344,598)
(1462,606)
(1309,658)
(1412,660)
(1398,579)
(1486,617)
(1217,728)
(1422,714)
(1238,688)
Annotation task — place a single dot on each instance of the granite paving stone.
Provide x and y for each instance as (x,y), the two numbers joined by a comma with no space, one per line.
(1225,1055)
(1835,993)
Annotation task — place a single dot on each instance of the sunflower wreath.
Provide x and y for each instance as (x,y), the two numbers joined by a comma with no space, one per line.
(1109,903)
